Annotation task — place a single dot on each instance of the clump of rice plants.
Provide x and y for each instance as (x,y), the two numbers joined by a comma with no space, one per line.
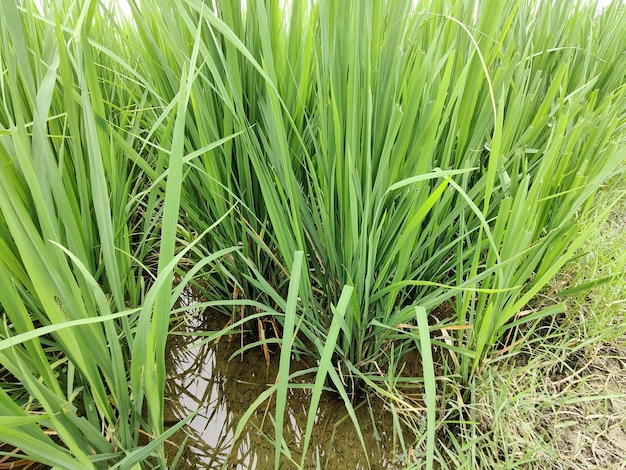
(443,158)
(84,315)
(374,177)
(430,159)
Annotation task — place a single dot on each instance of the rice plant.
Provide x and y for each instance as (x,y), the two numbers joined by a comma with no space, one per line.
(352,180)
(434,161)
(77,313)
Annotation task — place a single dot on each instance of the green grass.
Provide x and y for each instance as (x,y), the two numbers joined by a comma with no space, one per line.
(376,177)
(558,400)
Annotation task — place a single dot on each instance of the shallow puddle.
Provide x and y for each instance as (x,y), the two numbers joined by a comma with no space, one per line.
(203,378)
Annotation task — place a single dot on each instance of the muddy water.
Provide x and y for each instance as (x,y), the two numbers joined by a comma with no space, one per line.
(203,378)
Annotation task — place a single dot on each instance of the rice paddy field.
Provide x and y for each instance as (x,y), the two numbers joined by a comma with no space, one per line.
(312,234)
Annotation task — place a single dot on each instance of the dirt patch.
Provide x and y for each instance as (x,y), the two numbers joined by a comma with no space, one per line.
(559,412)
(591,422)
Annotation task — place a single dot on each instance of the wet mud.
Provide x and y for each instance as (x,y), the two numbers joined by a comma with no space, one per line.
(203,378)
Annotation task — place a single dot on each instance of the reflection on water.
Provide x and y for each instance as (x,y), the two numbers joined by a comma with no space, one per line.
(203,378)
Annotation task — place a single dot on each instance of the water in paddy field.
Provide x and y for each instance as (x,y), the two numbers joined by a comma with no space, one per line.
(203,378)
